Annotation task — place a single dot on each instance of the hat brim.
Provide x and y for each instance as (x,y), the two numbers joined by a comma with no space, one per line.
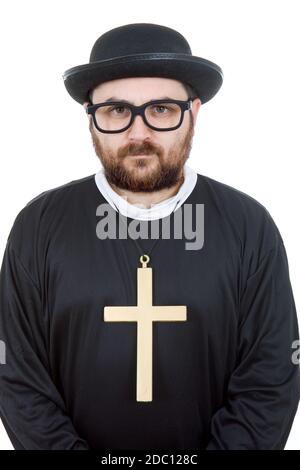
(203,75)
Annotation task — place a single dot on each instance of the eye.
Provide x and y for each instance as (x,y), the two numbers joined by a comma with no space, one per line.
(161,108)
(117,109)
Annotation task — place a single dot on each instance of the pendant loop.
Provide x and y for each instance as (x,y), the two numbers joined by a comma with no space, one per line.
(144,263)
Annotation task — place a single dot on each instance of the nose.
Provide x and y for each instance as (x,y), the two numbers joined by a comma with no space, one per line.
(138,129)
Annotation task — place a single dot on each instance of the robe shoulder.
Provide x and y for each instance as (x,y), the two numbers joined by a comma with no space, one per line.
(244,217)
(46,205)
(40,217)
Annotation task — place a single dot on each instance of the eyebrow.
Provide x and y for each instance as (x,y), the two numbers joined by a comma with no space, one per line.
(113,98)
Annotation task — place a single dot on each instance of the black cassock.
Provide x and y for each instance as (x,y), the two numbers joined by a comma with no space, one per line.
(226,378)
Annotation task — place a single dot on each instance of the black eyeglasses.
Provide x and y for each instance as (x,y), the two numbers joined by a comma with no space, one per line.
(160,115)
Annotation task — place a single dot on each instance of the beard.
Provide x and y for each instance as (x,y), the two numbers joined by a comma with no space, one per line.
(140,174)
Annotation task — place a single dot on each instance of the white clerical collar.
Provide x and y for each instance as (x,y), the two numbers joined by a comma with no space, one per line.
(156,211)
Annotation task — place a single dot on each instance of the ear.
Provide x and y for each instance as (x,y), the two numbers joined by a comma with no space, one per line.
(195,108)
(85,105)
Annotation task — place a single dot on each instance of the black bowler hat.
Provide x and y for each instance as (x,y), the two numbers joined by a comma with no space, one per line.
(143,50)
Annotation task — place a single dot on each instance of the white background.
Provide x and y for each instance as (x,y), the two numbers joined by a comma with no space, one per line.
(247,136)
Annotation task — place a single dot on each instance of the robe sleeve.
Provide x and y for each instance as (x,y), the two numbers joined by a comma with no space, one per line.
(31,407)
(263,389)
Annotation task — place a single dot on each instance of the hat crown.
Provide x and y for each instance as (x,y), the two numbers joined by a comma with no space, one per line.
(138,38)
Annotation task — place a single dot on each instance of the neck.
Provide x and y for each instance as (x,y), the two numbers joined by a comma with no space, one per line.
(146,200)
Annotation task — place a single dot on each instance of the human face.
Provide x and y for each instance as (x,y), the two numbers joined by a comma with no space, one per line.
(140,158)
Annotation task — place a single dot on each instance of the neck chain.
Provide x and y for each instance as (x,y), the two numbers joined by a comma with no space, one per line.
(145,257)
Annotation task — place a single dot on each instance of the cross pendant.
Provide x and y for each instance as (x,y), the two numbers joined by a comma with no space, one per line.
(144,314)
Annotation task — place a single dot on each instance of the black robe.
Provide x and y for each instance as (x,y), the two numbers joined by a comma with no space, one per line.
(223,379)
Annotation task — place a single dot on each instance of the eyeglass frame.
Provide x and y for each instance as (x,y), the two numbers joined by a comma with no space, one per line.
(140,110)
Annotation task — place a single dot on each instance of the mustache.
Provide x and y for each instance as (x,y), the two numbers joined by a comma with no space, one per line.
(146,148)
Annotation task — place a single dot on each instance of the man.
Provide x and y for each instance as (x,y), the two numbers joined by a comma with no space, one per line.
(116,341)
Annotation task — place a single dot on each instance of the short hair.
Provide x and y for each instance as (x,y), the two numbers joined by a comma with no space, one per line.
(190,90)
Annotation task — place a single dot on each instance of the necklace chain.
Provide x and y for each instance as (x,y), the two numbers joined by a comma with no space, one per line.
(141,251)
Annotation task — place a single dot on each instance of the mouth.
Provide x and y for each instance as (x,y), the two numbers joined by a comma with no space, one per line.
(141,156)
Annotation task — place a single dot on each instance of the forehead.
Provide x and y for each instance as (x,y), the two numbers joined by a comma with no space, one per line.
(136,88)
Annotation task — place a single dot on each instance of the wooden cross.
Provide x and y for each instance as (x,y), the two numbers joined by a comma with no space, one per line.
(144,314)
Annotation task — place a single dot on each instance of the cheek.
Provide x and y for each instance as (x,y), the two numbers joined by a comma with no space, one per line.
(111,144)
(167,140)
(175,138)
